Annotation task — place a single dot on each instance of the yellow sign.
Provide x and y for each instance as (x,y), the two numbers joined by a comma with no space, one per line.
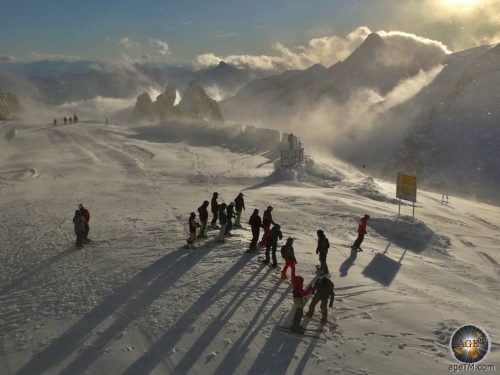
(406,187)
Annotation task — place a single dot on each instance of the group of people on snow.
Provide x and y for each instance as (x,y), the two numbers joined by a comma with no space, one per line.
(321,286)
(68,119)
(81,221)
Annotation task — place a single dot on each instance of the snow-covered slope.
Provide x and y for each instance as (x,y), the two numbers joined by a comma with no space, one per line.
(136,302)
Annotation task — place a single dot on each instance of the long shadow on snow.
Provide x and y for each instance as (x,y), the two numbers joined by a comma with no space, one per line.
(240,348)
(348,263)
(137,294)
(149,360)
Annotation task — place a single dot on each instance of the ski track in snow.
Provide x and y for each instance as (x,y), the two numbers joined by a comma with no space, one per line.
(136,301)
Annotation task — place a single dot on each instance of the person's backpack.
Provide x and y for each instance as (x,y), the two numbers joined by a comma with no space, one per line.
(325,287)
(283,251)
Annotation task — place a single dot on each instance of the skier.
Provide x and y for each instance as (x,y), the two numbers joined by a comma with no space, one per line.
(299,302)
(79,222)
(214,207)
(255,223)
(361,233)
(65,120)
(223,221)
(192,231)
(323,290)
(203,215)
(288,254)
(322,249)
(86,216)
(267,220)
(272,244)
(239,205)
(230,215)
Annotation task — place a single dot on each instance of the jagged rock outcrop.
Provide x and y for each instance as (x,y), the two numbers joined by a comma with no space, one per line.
(196,103)
(165,102)
(144,107)
(9,105)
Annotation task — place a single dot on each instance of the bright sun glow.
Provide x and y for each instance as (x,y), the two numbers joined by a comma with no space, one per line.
(463,4)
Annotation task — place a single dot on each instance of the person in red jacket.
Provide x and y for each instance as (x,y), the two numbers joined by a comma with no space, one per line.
(361,233)
(214,207)
(86,216)
(299,301)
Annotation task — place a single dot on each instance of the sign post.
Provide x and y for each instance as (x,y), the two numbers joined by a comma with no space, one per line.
(406,188)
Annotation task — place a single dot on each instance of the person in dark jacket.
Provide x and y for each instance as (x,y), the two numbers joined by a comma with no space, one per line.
(267,220)
(323,290)
(361,233)
(299,301)
(255,223)
(86,217)
(79,222)
(65,120)
(203,215)
(288,254)
(223,221)
(214,207)
(272,243)
(322,249)
(230,215)
(239,205)
(192,231)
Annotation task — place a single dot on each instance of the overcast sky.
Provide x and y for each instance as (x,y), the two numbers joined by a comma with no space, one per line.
(203,31)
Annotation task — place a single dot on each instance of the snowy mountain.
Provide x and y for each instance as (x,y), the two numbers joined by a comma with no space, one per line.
(9,105)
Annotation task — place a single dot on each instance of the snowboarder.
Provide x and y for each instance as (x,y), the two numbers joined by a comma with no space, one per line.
(288,254)
(299,302)
(267,220)
(322,249)
(222,221)
(86,217)
(203,215)
(323,290)
(361,233)
(214,207)
(272,244)
(239,205)
(192,231)
(65,120)
(79,222)
(255,223)
(230,215)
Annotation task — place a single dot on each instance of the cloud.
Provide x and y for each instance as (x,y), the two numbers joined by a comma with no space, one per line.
(162,47)
(125,42)
(328,50)
(7,58)
(54,57)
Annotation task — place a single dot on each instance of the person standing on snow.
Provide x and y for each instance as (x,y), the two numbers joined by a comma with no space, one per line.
(361,233)
(299,301)
(322,249)
(255,223)
(288,254)
(79,222)
(223,222)
(267,220)
(203,215)
(86,216)
(192,231)
(239,205)
(323,290)
(214,207)
(230,215)
(272,244)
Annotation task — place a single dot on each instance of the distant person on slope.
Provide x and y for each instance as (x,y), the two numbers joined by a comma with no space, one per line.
(272,244)
(323,290)
(288,254)
(65,120)
(322,249)
(230,215)
(239,205)
(361,233)
(223,222)
(192,231)
(214,207)
(79,222)
(70,120)
(255,223)
(75,119)
(55,122)
(267,220)
(86,216)
(299,301)
(203,215)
